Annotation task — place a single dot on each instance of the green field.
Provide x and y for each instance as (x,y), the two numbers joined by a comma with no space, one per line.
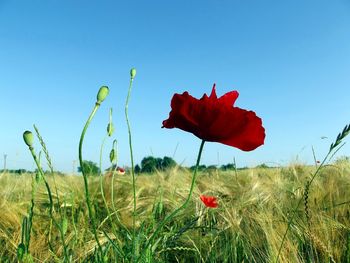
(255,206)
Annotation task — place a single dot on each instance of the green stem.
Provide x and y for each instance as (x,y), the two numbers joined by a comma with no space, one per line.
(183,206)
(132,168)
(31,211)
(112,191)
(87,195)
(101,188)
(49,163)
(101,183)
(74,226)
(114,163)
(115,147)
(66,256)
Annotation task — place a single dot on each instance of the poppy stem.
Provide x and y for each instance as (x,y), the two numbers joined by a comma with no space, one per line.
(102,190)
(114,147)
(183,206)
(194,174)
(41,172)
(132,76)
(87,195)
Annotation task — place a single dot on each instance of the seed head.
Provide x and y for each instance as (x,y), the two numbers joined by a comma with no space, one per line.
(28,138)
(102,94)
(133,73)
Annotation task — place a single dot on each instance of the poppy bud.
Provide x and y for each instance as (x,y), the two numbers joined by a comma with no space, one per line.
(133,73)
(28,138)
(102,94)
(112,156)
(110,129)
(110,126)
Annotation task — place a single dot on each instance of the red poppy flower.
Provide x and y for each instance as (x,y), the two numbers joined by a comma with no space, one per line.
(216,119)
(209,201)
(120,170)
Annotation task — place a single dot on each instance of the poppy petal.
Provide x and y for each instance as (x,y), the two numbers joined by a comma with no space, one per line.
(209,201)
(216,119)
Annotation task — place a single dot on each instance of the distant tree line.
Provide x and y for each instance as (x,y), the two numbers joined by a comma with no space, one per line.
(16,171)
(151,164)
(148,165)
(24,171)
(225,167)
(90,168)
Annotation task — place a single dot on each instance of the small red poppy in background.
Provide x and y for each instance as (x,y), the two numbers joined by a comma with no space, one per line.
(216,119)
(209,201)
(120,170)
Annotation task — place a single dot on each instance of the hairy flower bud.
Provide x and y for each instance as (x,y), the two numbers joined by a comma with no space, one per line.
(102,94)
(110,126)
(112,156)
(110,129)
(133,73)
(28,138)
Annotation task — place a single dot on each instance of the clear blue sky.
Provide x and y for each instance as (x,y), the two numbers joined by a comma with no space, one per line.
(289,60)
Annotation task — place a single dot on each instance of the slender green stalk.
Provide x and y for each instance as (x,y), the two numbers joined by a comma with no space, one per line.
(102,191)
(114,163)
(86,186)
(115,149)
(49,163)
(27,226)
(101,174)
(183,206)
(66,256)
(101,96)
(74,225)
(132,74)
(31,211)
(23,236)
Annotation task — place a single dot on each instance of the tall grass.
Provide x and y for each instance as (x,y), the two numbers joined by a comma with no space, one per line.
(254,207)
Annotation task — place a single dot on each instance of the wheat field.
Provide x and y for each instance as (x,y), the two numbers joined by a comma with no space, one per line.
(248,226)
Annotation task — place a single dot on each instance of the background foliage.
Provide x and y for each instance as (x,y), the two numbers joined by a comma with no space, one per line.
(90,168)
